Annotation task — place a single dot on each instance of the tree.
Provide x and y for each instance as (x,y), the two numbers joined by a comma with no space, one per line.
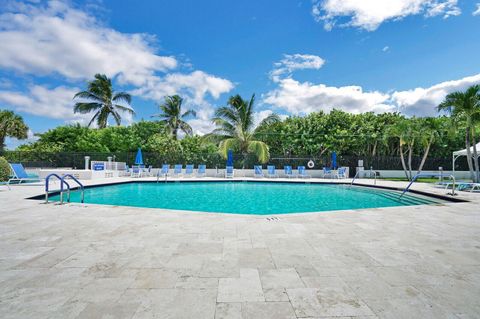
(104,101)
(11,125)
(172,116)
(236,128)
(404,131)
(464,107)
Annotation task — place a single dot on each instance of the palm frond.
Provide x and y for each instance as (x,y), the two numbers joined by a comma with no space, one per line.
(189,113)
(228,144)
(84,108)
(122,96)
(260,149)
(123,108)
(185,127)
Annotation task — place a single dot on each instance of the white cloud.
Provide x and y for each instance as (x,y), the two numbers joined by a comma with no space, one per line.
(54,103)
(195,85)
(386,48)
(304,97)
(54,38)
(422,101)
(369,14)
(202,124)
(477,10)
(293,62)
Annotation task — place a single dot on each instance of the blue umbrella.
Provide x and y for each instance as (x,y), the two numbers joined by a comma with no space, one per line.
(139,157)
(230,158)
(334,160)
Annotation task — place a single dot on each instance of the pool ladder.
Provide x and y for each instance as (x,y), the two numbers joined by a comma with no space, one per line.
(375,173)
(63,183)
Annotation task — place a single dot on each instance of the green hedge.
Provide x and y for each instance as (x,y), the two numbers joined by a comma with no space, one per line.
(4,170)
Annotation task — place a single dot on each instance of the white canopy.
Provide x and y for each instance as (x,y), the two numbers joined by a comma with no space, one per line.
(464,151)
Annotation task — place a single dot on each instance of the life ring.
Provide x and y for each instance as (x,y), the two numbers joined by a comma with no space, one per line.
(310,164)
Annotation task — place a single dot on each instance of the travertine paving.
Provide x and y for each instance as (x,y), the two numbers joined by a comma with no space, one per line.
(93,261)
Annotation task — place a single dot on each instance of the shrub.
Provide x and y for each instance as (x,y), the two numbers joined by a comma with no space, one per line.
(4,169)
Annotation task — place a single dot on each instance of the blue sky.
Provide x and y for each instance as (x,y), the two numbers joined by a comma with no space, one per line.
(297,56)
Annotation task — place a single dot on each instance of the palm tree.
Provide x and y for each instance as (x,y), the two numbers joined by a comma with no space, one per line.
(11,125)
(464,107)
(404,131)
(235,128)
(172,116)
(104,101)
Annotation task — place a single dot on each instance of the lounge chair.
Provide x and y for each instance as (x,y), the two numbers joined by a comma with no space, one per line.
(288,171)
(177,170)
(20,175)
(327,172)
(229,172)
(341,172)
(202,170)
(189,170)
(147,171)
(257,171)
(164,171)
(271,171)
(302,173)
(472,187)
(137,171)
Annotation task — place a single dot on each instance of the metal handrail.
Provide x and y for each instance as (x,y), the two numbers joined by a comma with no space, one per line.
(354,177)
(47,180)
(375,173)
(428,175)
(82,189)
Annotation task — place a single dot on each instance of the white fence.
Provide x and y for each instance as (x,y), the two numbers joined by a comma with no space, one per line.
(107,166)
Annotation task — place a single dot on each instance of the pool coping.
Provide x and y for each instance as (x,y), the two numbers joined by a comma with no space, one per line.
(423,193)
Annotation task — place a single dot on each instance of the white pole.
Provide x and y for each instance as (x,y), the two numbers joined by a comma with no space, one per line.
(87,160)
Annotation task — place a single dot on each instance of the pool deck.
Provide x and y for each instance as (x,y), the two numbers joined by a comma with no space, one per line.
(94,261)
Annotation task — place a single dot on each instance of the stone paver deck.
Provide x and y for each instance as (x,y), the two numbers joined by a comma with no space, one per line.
(93,261)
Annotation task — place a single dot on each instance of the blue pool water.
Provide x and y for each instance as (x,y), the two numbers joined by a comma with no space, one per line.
(253,198)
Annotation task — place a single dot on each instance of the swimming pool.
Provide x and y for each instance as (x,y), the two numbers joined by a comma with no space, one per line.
(253,198)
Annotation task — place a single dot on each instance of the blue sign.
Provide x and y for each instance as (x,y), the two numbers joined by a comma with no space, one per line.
(98,166)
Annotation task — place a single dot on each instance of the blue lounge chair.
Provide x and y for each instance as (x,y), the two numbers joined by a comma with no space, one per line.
(229,172)
(164,170)
(177,170)
(202,170)
(136,171)
(271,171)
(20,175)
(257,171)
(327,172)
(341,172)
(288,171)
(302,173)
(189,170)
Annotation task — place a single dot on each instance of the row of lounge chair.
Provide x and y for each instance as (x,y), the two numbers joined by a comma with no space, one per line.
(287,170)
(301,172)
(460,185)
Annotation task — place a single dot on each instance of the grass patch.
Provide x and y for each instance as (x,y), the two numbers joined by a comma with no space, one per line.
(421,179)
